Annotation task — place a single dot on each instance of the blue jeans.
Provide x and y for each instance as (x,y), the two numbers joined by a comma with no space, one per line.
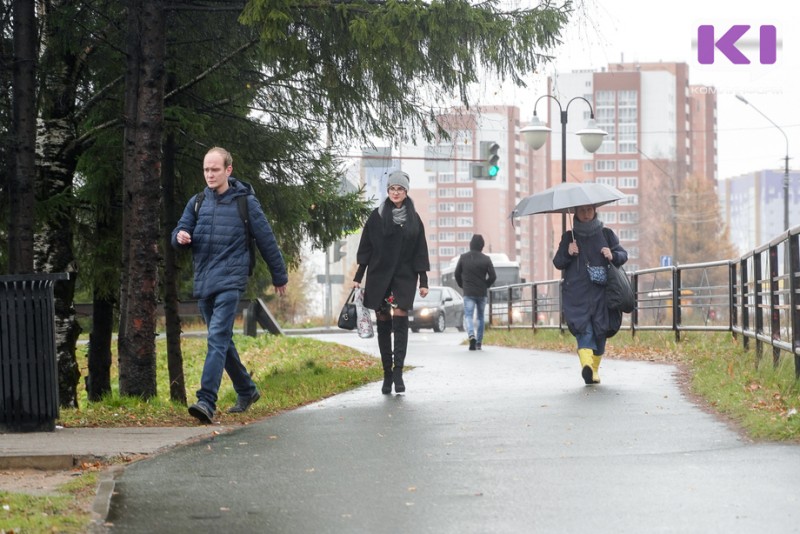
(474,306)
(588,340)
(219,312)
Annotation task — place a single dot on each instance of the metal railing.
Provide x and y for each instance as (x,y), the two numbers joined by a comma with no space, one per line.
(756,296)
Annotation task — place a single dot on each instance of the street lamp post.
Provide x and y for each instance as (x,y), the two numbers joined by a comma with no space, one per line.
(537,132)
(785,168)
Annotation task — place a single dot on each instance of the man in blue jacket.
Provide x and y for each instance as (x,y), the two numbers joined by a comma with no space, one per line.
(216,234)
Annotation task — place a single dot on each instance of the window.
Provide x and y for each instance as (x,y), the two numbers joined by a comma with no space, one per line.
(587,166)
(464,192)
(608,180)
(629,164)
(629,234)
(608,217)
(605,165)
(627,98)
(447,236)
(628,182)
(447,252)
(605,114)
(464,206)
(447,221)
(447,206)
(464,221)
(629,217)
(627,138)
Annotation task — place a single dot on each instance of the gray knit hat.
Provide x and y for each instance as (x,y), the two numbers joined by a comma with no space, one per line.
(398,178)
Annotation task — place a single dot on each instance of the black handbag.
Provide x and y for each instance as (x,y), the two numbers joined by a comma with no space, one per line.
(348,317)
(619,294)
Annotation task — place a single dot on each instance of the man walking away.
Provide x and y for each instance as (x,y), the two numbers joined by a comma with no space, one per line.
(475,275)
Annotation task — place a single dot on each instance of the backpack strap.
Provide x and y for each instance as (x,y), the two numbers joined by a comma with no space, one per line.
(198,201)
(250,240)
(607,235)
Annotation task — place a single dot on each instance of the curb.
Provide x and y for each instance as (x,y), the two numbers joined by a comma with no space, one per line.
(102,499)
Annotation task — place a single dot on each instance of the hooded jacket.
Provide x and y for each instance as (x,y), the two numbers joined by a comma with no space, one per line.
(475,272)
(219,244)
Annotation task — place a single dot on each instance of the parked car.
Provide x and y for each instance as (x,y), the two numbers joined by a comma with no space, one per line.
(442,307)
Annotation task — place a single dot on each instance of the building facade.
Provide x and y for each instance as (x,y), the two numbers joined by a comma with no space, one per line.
(753,206)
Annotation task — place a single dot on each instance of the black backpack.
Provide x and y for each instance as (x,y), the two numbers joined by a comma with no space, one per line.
(244,213)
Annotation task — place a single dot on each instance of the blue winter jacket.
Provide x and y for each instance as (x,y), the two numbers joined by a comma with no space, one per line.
(219,244)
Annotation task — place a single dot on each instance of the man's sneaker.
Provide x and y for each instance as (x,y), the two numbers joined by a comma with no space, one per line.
(243,404)
(202,413)
(478,345)
(472,343)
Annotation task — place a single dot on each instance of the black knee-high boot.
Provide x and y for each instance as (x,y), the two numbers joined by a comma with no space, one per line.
(385,348)
(400,327)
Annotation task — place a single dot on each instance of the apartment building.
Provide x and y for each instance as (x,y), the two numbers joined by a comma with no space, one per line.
(661,130)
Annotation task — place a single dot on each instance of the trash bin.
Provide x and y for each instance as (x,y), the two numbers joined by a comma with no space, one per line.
(28,371)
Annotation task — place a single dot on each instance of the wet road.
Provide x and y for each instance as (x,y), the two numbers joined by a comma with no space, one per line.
(499,440)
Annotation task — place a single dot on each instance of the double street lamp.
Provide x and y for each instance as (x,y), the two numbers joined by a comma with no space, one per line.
(536,135)
(786,165)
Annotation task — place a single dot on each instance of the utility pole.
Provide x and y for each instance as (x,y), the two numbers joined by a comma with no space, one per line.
(328,292)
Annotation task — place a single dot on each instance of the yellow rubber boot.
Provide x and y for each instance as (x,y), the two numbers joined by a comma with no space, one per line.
(585,356)
(596,368)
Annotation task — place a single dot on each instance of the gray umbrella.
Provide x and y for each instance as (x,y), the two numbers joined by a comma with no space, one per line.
(565,196)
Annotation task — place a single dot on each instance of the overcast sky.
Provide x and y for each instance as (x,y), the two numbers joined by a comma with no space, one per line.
(609,31)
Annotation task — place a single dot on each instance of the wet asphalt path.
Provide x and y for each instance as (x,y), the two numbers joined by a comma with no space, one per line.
(495,441)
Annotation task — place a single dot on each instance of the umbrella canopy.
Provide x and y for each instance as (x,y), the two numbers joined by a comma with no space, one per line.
(565,196)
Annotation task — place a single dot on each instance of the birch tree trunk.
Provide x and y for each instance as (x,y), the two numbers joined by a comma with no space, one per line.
(54,242)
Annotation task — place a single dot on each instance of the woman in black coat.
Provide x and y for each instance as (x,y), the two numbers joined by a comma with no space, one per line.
(394,253)
(588,245)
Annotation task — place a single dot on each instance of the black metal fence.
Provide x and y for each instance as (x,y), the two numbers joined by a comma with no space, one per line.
(756,296)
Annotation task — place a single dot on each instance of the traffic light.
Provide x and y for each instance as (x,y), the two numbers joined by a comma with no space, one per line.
(489,166)
(338,250)
(492,158)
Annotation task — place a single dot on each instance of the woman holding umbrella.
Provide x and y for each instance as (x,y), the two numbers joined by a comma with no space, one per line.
(582,257)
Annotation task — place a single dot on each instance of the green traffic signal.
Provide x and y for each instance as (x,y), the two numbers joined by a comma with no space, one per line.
(491,158)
